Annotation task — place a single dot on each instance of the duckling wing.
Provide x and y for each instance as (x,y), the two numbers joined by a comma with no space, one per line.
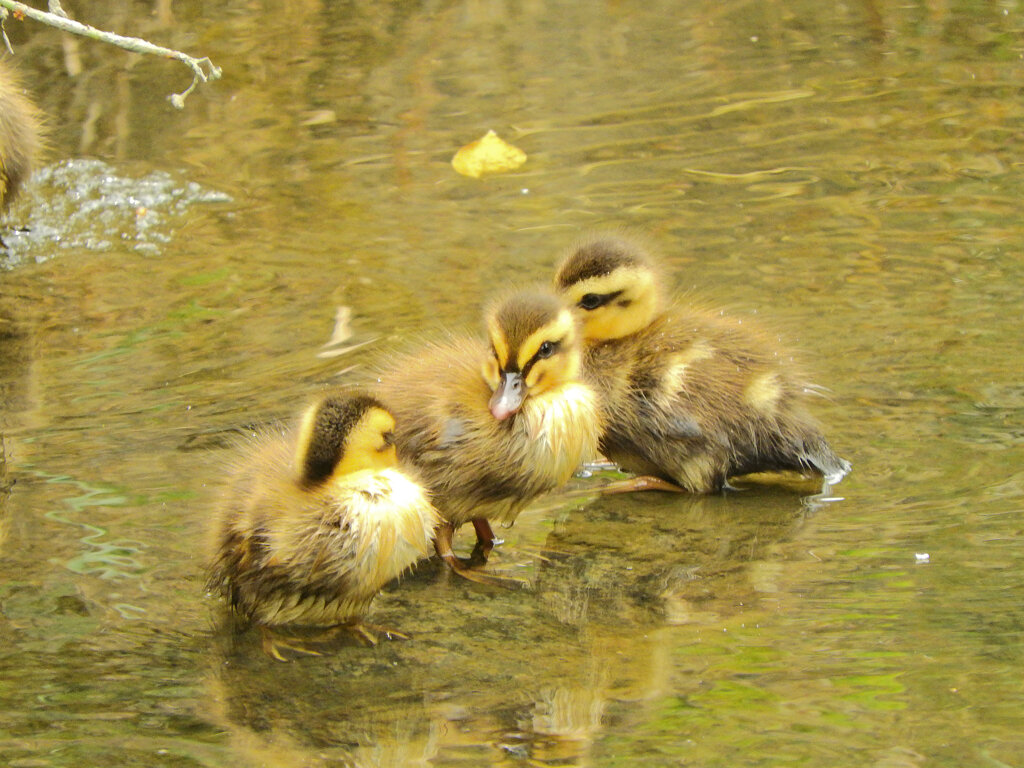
(434,394)
(438,448)
(453,432)
(682,427)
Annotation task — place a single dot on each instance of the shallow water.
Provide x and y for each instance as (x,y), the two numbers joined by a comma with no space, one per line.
(849,175)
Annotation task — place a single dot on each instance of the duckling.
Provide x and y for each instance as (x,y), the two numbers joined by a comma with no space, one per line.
(490,427)
(691,398)
(316,523)
(20,136)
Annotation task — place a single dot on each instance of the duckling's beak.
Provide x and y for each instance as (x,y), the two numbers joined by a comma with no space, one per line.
(508,397)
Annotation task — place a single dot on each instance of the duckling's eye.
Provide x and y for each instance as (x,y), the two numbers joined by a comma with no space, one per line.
(592,301)
(547,349)
(389,440)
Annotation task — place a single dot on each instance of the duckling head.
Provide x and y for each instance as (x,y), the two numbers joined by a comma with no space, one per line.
(534,349)
(343,434)
(612,286)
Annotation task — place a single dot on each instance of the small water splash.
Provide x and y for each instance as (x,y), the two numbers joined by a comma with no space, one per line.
(85,204)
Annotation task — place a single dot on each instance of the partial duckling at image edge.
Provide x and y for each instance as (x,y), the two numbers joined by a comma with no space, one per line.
(21,131)
(492,427)
(691,397)
(315,523)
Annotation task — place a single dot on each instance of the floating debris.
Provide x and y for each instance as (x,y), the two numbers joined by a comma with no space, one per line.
(490,154)
(342,333)
(342,327)
(319,117)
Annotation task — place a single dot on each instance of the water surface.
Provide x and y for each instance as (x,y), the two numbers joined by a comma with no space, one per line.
(847,174)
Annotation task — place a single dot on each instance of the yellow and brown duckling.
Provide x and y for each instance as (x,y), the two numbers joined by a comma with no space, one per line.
(690,398)
(492,426)
(20,135)
(317,521)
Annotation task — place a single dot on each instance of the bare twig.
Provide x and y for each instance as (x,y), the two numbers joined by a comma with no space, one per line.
(3,30)
(202,69)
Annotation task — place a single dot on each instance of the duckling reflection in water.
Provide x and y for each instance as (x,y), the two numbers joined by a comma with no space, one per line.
(492,427)
(315,524)
(691,398)
(20,135)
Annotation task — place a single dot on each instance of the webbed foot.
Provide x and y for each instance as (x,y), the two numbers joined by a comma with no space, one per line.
(468,568)
(278,646)
(642,483)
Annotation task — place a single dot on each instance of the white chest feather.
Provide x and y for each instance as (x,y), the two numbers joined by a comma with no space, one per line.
(563,427)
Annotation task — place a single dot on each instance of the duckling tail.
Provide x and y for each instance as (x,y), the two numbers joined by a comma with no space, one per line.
(818,455)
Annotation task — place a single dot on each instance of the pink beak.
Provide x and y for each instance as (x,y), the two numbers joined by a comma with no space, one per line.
(508,397)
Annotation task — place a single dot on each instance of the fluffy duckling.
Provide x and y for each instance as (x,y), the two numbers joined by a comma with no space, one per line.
(492,426)
(20,136)
(316,523)
(690,398)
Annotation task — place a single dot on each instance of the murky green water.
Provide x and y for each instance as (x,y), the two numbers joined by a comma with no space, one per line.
(851,173)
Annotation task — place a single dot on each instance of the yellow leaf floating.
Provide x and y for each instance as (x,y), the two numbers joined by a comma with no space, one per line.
(490,154)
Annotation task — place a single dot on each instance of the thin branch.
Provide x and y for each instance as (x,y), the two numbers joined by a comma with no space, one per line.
(203,70)
(3,30)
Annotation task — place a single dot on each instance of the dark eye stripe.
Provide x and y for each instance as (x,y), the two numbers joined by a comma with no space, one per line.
(556,347)
(594,300)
